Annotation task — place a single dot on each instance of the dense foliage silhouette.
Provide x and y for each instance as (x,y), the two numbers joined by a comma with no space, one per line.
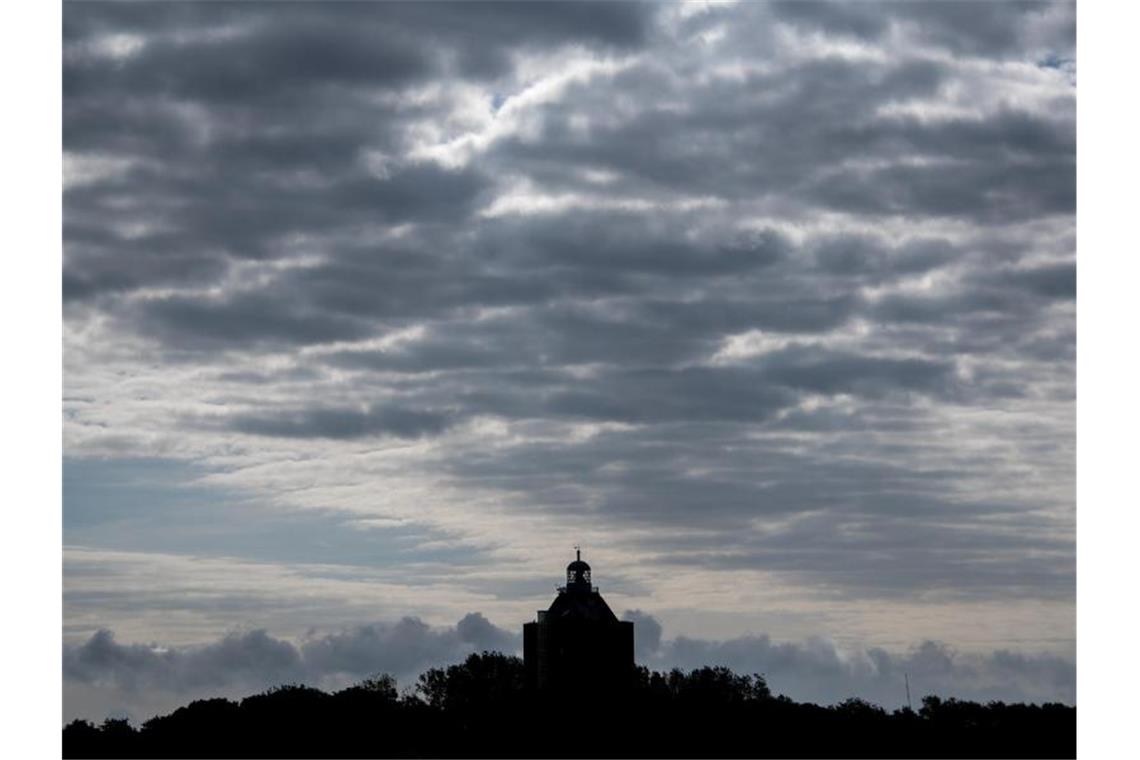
(481,708)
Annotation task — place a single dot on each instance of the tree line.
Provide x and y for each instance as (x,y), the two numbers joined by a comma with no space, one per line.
(482,708)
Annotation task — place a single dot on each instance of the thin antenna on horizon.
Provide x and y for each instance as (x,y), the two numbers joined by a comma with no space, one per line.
(906,679)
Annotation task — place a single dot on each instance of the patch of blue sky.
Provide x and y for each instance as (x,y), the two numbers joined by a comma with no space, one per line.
(160,505)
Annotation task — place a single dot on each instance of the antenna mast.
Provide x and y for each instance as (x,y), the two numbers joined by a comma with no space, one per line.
(906,679)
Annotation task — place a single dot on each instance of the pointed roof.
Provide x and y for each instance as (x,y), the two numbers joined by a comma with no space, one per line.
(585,606)
(579,600)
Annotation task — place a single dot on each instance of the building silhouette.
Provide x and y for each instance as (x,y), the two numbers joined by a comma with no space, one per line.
(578,644)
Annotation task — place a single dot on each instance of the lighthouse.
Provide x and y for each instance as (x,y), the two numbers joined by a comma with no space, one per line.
(578,644)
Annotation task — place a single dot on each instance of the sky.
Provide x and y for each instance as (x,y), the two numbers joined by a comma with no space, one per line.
(373,312)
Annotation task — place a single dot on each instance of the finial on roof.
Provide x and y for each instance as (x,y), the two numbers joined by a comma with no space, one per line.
(578,549)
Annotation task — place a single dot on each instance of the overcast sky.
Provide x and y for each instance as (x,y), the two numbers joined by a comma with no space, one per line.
(372,312)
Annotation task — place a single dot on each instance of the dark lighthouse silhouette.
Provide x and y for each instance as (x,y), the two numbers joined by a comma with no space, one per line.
(578,644)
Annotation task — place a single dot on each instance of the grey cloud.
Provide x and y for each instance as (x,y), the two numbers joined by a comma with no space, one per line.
(647,396)
(646,634)
(838,420)
(344,423)
(307,43)
(253,657)
(186,323)
(875,555)
(818,671)
(434,354)
(484,635)
(652,396)
(256,660)
(987,301)
(630,243)
(840,372)
(860,20)
(1056,281)
(995,29)
(403,649)
(103,275)
(259,61)
(812,670)
(854,255)
(644,396)
(975,192)
(229,213)
(804,141)
(785,306)
(617,25)
(646,333)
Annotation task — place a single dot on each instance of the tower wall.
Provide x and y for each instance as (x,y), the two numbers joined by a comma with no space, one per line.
(575,655)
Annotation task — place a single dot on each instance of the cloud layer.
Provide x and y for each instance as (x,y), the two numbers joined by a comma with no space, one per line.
(771,306)
(110,677)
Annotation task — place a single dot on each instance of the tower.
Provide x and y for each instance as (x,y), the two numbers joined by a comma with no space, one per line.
(578,644)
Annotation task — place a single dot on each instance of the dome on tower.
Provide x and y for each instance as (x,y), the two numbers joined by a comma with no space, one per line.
(578,575)
(579,598)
